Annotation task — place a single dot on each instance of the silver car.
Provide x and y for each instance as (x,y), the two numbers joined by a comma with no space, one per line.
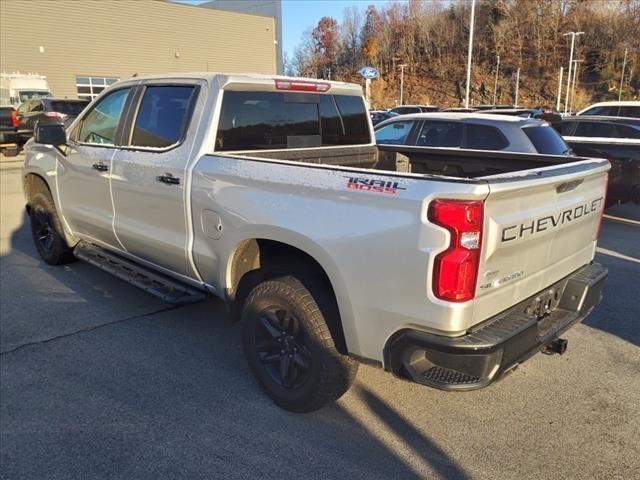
(472,131)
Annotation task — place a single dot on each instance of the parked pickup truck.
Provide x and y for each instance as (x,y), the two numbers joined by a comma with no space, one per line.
(446,267)
(9,138)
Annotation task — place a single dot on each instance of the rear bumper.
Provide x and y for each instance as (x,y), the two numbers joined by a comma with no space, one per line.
(9,137)
(496,346)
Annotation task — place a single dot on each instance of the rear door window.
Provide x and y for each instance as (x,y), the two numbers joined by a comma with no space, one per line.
(624,131)
(546,140)
(595,129)
(100,125)
(567,128)
(630,111)
(395,133)
(280,120)
(485,137)
(163,116)
(440,134)
(607,111)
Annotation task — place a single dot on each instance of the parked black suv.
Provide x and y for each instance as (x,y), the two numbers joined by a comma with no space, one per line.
(47,110)
(618,140)
(601,127)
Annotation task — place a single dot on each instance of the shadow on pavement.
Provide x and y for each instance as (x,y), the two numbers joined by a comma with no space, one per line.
(619,251)
(99,379)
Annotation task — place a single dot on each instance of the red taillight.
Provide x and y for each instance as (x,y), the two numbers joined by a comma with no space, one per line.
(455,270)
(14,119)
(302,85)
(604,203)
(55,115)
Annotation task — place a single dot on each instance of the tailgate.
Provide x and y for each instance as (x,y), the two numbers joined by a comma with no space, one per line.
(537,230)
(5,118)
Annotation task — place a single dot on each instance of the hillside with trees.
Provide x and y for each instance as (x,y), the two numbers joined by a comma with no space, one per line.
(431,39)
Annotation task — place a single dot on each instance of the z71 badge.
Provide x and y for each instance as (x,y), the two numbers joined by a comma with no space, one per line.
(373,185)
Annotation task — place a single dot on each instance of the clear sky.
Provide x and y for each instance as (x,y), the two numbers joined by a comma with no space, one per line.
(298,15)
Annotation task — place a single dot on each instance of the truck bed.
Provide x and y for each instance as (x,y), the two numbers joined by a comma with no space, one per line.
(443,162)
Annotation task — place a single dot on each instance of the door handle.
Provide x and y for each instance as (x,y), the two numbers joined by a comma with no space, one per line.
(101,167)
(168,179)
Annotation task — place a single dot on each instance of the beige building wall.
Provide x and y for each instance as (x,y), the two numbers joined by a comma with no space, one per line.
(63,39)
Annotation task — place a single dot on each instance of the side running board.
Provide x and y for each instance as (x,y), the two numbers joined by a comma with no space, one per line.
(163,287)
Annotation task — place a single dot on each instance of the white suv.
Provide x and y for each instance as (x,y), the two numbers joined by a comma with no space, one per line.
(613,109)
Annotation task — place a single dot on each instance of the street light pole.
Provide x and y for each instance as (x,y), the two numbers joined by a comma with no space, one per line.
(495,84)
(573,39)
(402,66)
(573,87)
(517,85)
(624,64)
(559,91)
(473,14)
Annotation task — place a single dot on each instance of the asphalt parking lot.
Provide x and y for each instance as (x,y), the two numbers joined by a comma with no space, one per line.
(100,380)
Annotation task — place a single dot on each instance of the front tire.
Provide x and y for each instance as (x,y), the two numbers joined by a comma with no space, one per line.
(46,230)
(289,347)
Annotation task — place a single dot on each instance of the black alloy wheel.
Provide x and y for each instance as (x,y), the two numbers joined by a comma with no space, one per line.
(281,347)
(44,231)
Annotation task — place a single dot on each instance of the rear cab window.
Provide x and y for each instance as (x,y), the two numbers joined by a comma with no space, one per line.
(72,108)
(282,120)
(546,140)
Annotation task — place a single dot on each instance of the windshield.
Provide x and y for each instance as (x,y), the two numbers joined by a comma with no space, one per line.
(546,140)
(29,94)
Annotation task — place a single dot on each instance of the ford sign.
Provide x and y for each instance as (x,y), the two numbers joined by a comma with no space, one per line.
(369,72)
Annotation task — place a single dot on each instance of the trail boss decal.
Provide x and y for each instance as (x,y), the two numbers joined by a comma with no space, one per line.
(549,222)
(372,185)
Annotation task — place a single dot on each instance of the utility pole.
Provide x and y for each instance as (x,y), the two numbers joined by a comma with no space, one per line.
(402,67)
(624,64)
(517,85)
(495,84)
(473,14)
(559,91)
(573,39)
(573,87)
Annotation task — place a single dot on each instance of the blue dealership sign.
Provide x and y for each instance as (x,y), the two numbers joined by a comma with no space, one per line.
(369,72)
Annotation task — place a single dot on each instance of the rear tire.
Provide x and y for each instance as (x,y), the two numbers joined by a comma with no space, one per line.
(46,230)
(289,347)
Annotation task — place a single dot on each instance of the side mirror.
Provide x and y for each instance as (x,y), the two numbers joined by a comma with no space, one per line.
(50,134)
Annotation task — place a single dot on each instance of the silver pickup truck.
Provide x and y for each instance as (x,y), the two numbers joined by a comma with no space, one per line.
(446,267)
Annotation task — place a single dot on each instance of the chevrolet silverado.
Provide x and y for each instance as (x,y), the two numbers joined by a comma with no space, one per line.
(446,267)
